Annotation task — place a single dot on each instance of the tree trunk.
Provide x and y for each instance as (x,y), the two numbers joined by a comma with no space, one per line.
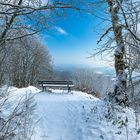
(121,77)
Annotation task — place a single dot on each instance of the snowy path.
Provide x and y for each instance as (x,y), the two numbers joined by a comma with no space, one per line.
(77,116)
(61,115)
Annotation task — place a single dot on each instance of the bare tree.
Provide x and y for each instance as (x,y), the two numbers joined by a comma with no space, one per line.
(120,88)
(31,15)
(27,62)
(121,20)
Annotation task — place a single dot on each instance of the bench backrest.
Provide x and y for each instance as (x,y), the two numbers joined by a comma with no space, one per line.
(56,83)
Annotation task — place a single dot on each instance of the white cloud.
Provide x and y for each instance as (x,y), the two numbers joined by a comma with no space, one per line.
(61,31)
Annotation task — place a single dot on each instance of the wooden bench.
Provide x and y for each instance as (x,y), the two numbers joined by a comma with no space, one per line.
(56,84)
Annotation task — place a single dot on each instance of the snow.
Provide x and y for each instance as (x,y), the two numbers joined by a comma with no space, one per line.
(122,76)
(78,116)
(13,96)
(117,51)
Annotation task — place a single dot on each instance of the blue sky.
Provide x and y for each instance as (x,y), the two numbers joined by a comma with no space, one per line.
(72,39)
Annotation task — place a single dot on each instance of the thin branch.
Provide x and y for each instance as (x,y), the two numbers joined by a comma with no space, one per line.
(106,32)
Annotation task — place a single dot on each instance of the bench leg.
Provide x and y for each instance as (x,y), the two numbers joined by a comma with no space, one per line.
(43,89)
(69,89)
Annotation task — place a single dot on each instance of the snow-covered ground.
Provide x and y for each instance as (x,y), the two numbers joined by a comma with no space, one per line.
(78,116)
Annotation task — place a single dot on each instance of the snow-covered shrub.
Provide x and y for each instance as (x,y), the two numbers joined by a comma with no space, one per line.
(15,115)
(93,82)
(123,118)
(83,80)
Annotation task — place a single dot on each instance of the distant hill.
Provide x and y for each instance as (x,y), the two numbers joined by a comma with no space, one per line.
(71,68)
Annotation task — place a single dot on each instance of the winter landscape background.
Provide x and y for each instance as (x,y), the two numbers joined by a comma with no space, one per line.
(69,70)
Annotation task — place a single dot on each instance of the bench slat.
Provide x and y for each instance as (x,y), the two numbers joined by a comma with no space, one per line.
(44,84)
(53,85)
(55,82)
